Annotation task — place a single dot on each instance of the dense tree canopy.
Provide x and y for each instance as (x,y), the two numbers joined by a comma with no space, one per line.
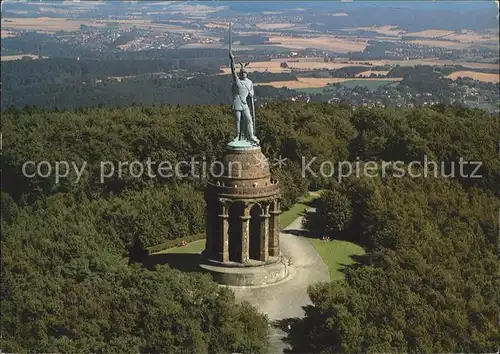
(427,284)
(65,288)
(68,83)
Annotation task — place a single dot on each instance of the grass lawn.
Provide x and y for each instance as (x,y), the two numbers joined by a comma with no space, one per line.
(288,216)
(336,254)
(312,90)
(192,247)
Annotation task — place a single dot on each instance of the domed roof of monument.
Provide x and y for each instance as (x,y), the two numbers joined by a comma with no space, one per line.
(242,164)
(242,173)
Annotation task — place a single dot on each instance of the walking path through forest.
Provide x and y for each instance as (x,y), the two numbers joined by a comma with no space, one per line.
(286,298)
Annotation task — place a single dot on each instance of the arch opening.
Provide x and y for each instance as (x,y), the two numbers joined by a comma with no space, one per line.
(255,232)
(235,238)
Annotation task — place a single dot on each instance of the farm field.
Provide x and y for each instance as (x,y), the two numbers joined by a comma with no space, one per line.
(472,37)
(193,10)
(445,44)
(273,26)
(331,43)
(216,25)
(236,48)
(434,37)
(7,34)
(309,82)
(274,66)
(485,77)
(370,84)
(305,64)
(430,33)
(339,45)
(47,24)
(386,30)
(201,46)
(434,62)
(19,57)
(320,65)
(459,62)
(312,90)
(372,72)
(63,24)
(466,37)
(299,59)
(367,83)
(276,48)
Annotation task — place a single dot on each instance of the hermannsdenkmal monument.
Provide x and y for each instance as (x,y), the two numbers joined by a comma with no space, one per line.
(243,202)
(243,94)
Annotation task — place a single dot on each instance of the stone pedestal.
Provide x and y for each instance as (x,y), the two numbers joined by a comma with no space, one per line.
(242,211)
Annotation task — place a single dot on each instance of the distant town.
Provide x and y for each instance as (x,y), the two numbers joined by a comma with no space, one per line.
(326,57)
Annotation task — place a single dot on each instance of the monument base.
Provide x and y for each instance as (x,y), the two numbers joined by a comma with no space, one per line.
(241,145)
(251,274)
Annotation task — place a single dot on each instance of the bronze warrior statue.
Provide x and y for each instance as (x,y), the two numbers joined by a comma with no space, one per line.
(242,93)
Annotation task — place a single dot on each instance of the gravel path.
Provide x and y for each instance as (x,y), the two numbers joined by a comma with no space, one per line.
(286,299)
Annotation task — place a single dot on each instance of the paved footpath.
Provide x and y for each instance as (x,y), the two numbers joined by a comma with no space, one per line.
(286,298)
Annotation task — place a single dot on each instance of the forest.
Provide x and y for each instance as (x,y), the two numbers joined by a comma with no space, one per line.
(66,83)
(426,284)
(24,73)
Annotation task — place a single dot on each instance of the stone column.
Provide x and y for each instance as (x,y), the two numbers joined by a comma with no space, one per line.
(245,234)
(274,232)
(264,234)
(208,230)
(224,237)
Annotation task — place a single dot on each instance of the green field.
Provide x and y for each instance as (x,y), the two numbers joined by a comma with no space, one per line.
(288,216)
(192,247)
(312,90)
(271,47)
(337,254)
(369,84)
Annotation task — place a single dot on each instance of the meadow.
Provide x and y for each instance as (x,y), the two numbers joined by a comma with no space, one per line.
(309,82)
(485,77)
(52,24)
